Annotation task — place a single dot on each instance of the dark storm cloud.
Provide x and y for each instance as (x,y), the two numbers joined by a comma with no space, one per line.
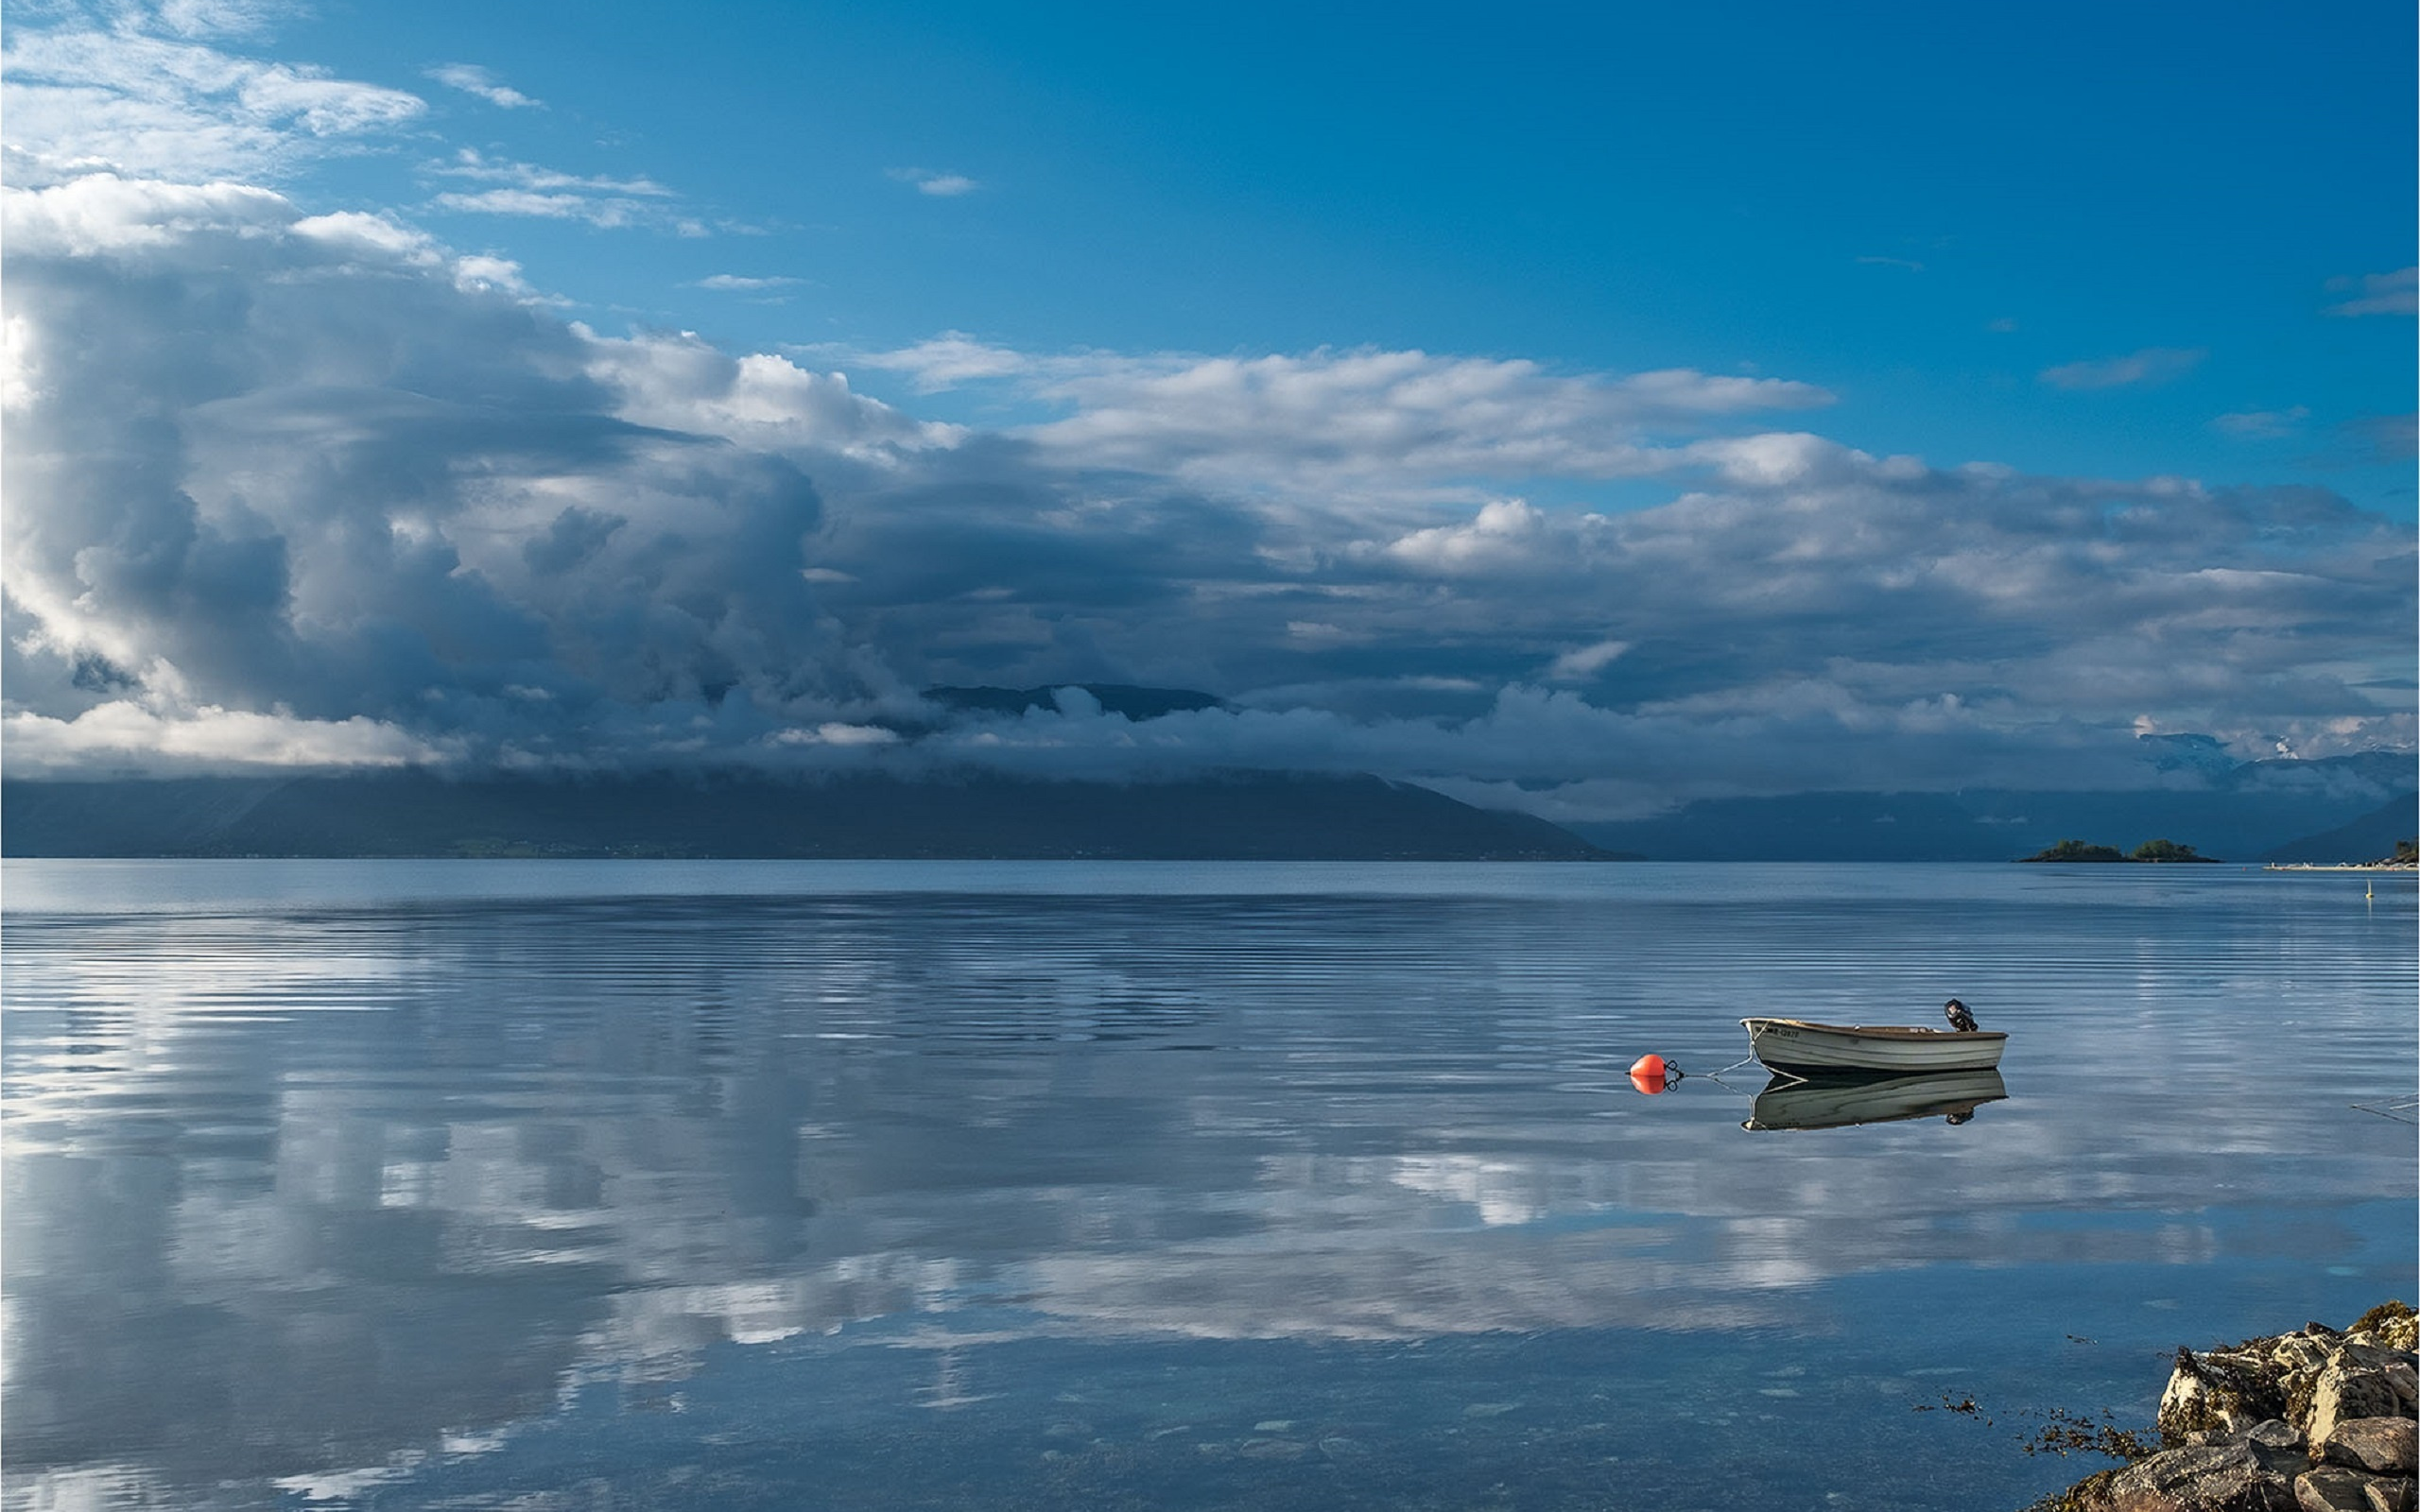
(316,490)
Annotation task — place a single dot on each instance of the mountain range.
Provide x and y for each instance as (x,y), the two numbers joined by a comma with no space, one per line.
(2344,808)
(2351,808)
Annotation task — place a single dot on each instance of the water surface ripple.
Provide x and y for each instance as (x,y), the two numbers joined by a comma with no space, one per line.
(889,1185)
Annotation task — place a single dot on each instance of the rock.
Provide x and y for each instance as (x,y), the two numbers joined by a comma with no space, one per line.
(2391,1495)
(2406,1382)
(2278,1446)
(2382,1446)
(2354,1385)
(2390,1325)
(2091,1494)
(2332,1488)
(2241,1427)
(2305,1351)
(2205,1478)
(2227,1390)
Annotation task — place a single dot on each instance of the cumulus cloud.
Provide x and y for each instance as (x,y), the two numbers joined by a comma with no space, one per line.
(2153,365)
(472,79)
(355,479)
(318,488)
(2395,293)
(681,383)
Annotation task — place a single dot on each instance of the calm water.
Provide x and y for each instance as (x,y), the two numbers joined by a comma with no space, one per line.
(584,1185)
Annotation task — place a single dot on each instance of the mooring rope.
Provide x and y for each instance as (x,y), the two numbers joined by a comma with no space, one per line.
(2397,1110)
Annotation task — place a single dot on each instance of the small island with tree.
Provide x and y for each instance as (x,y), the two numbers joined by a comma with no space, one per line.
(2149,851)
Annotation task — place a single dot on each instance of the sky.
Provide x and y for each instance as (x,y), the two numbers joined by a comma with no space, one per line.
(1578,409)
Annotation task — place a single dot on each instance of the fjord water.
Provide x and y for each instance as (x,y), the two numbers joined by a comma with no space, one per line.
(558,1185)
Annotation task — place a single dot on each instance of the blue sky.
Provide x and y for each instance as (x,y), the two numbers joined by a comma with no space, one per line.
(1389,371)
(1857,199)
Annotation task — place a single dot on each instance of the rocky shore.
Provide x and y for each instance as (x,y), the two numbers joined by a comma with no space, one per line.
(2317,1420)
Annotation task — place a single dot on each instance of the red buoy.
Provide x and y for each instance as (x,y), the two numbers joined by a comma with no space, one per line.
(1646,1074)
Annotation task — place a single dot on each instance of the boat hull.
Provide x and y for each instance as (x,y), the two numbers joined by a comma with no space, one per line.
(1797,1045)
(1840,1099)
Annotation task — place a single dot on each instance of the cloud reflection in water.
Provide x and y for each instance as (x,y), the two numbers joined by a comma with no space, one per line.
(555,1141)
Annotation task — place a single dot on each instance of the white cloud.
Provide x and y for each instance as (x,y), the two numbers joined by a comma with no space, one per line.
(472,80)
(103,215)
(2395,293)
(951,360)
(1586,661)
(2261,425)
(1393,423)
(218,18)
(367,498)
(1905,263)
(834,733)
(471,164)
(161,106)
(1504,535)
(2153,365)
(123,734)
(940,185)
(605,213)
(741,284)
(546,194)
(679,382)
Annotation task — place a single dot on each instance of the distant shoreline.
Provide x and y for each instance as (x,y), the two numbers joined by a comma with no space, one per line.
(2340,866)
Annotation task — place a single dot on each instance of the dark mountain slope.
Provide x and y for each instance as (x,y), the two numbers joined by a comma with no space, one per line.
(2370,837)
(2238,815)
(1261,816)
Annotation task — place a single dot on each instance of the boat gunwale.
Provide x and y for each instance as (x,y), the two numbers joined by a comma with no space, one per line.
(1882,1031)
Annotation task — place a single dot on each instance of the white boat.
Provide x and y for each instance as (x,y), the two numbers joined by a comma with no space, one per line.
(1836,1100)
(1795,1045)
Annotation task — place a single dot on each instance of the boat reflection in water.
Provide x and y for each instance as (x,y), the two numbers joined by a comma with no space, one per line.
(1838,1099)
